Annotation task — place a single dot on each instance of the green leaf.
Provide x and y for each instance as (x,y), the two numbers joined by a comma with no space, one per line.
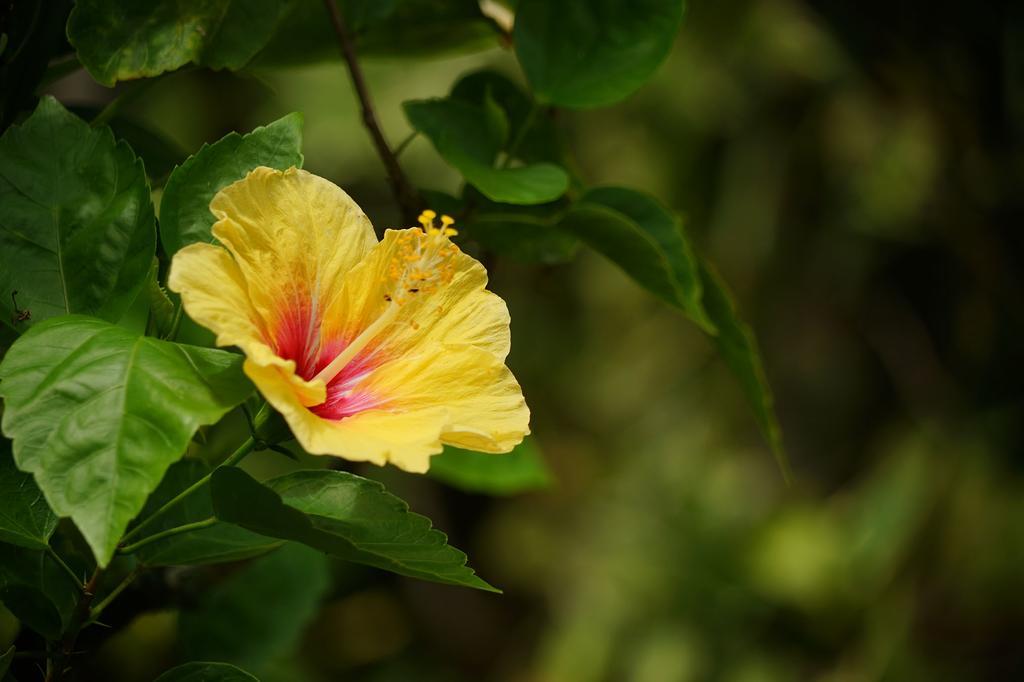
(206,672)
(162,311)
(469,137)
(738,347)
(346,516)
(533,130)
(76,221)
(185,207)
(97,414)
(389,28)
(25,518)
(258,614)
(35,588)
(519,471)
(528,234)
(119,40)
(590,53)
(218,543)
(646,240)
(642,237)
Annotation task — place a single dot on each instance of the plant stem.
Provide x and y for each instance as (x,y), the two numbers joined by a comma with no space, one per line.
(129,93)
(95,611)
(184,528)
(405,143)
(57,667)
(513,147)
(67,569)
(233,459)
(406,197)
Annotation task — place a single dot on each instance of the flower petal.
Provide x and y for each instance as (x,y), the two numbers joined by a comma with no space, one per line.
(460,312)
(463,396)
(213,291)
(293,236)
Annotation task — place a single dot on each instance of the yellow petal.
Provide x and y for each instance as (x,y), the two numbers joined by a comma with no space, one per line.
(464,396)
(484,404)
(213,292)
(293,236)
(459,312)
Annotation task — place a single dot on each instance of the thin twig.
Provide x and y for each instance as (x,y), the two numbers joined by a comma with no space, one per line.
(94,612)
(232,460)
(405,143)
(177,530)
(513,147)
(406,197)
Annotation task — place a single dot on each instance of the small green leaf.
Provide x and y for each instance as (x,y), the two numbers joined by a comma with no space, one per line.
(519,471)
(119,40)
(206,672)
(528,234)
(738,347)
(35,588)
(25,518)
(525,235)
(540,141)
(346,516)
(76,222)
(469,137)
(218,543)
(97,414)
(590,53)
(642,237)
(161,308)
(258,614)
(185,207)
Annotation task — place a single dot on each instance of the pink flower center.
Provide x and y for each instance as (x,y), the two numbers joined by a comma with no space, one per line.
(298,339)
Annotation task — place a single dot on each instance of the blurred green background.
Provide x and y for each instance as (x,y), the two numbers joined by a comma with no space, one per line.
(855,170)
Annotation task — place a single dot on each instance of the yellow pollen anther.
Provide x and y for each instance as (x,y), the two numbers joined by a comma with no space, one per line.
(426,219)
(446,226)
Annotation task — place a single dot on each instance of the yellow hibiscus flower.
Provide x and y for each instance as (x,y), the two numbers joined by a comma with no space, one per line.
(378,352)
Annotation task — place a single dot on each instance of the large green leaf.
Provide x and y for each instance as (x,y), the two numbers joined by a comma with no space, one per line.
(119,40)
(35,588)
(738,347)
(519,471)
(590,53)
(469,137)
(217,543)
(25,518)
(206,672)
(185,207)
(346,516)
(400,28)
(257,615)
(76,221)
(642,237)
(97,414)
